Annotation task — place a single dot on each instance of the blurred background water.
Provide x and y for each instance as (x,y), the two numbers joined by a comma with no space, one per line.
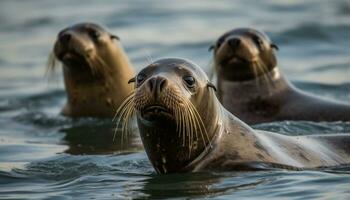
(47,156)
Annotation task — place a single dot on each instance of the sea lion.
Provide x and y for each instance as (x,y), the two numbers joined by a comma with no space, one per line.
(184,128)
(95,68)
(252,87)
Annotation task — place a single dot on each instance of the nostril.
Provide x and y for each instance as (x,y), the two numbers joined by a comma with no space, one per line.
(156,85)
(151,84)
(162,84)
(65,38)
(234,42)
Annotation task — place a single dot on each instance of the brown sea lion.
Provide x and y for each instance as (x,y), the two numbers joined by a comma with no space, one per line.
(184,128)
(251,86)
(95,68)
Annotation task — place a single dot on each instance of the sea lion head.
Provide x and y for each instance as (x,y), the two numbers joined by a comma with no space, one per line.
(95,68)
(176,111)
(85,48)
(243,54)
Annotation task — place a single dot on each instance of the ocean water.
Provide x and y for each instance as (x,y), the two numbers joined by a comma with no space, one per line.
(47,156)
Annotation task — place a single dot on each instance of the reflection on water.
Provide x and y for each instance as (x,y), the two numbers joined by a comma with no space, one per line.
(45,155)
(97,138)
(184,185)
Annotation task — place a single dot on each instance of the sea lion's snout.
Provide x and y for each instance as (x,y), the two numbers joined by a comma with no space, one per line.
(234,42)
(64,38)
(74,45)
(154,98)
(236,49)
(65,47)
(155,88)
(156,85)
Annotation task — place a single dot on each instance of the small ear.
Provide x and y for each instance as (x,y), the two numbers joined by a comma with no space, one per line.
(211,47)
(132,80)
(274,46)
(209,84)
(115,37)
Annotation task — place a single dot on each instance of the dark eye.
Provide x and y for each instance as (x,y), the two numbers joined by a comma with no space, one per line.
(62,32)
(94,34)
(190,81)
(140,78)
(219,42)
(258,41)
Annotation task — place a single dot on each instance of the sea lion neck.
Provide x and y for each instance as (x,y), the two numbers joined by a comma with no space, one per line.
(242,72)
(266,85)
(231,130)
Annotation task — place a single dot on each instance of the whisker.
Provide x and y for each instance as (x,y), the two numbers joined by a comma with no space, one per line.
(183,128)
(124,112)
(269,78)
(201,125)
(149,57)
(192,130)
(256,74)
(261,68)
(126,124)
(51,64)
(178,121)
(189,133)
(199,122)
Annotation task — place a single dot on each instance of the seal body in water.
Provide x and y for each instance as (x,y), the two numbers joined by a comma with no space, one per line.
(96,70)
(184,128)
(251,86)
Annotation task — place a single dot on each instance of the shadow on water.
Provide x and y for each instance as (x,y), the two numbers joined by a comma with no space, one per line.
(85,135)
(82,136)
(96,137)
(197,185)
(272,184)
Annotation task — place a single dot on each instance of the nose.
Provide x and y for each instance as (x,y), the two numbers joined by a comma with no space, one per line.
(156,85)
(65,38)
(234,42)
